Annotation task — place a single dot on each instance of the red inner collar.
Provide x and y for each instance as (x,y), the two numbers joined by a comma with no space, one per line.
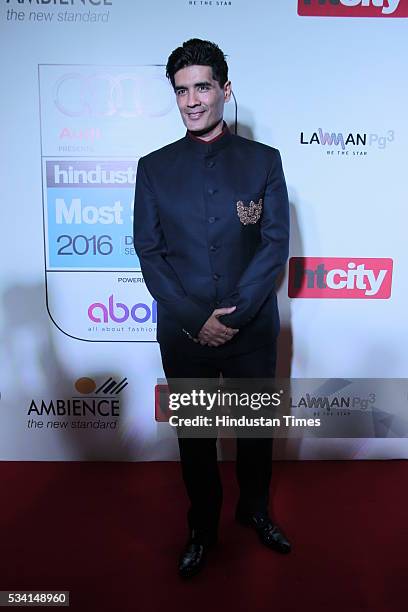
(224,130)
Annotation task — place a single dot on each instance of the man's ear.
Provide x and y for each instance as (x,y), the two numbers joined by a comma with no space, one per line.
(227,91)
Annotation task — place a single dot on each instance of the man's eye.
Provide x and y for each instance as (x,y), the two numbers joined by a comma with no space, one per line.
(180,91)
(205,87)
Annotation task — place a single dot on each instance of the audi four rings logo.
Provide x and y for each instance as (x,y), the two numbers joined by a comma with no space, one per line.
(104,94)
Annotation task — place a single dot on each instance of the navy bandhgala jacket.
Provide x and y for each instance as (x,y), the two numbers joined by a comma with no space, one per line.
(211,229)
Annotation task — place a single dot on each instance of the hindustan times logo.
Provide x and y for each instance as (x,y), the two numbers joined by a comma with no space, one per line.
(338,277)
(352,8)
(91,174)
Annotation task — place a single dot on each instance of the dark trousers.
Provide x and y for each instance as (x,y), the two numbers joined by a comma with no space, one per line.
(198,456)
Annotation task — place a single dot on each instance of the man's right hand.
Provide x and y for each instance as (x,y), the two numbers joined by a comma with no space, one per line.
(213,332)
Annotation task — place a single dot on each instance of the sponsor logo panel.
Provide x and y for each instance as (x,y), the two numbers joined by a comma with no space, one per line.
(93,404)
(89,214)
(103,306)
(96,121)
(347,144)
(105,110)
(340,277)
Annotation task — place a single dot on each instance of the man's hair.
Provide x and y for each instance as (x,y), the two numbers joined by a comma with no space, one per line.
(197,52)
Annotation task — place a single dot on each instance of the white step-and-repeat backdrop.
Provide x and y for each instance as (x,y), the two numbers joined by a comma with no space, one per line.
(84,95)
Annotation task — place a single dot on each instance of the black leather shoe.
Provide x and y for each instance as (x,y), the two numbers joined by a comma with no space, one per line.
(193,558)
(269,534)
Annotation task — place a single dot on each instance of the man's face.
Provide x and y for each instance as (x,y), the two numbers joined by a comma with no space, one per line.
(200,98)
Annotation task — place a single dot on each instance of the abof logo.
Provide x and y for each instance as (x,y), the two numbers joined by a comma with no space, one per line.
(339,277)
(352,8)
(85,386)
(119,312)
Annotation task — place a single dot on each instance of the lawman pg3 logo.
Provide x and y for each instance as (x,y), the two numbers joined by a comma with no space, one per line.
(340,277)
(353,8)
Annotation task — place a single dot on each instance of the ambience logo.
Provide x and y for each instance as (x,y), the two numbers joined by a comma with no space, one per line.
(352,8)
(85,386)
(339,277)
(94,401)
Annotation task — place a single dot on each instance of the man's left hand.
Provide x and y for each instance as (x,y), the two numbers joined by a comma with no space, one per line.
(213,332)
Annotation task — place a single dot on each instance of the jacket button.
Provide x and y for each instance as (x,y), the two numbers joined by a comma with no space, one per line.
(211,191)
(213,247)
(210,164)
(211,219)
(216,276)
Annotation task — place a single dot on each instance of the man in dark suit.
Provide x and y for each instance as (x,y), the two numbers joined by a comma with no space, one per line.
(211,229)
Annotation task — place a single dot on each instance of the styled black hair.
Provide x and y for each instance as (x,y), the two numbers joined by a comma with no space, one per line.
(197,52)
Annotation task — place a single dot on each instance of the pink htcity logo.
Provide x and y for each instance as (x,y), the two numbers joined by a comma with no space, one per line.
(353,8)
(340,277)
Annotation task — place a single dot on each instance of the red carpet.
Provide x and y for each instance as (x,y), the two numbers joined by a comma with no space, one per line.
(110,533)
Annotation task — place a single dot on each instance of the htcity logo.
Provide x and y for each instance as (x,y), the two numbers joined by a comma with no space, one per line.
(339,277)
(118,312)
(352,8)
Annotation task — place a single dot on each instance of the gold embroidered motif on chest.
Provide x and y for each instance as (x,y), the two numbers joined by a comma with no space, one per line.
(249,214)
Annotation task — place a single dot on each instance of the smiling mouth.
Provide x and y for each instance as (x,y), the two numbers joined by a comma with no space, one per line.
(195,115)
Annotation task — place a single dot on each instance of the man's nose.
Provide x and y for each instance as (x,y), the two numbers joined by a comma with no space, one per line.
(192,98)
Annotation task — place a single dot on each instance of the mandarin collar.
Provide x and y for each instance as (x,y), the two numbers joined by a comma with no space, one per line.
(201,147)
